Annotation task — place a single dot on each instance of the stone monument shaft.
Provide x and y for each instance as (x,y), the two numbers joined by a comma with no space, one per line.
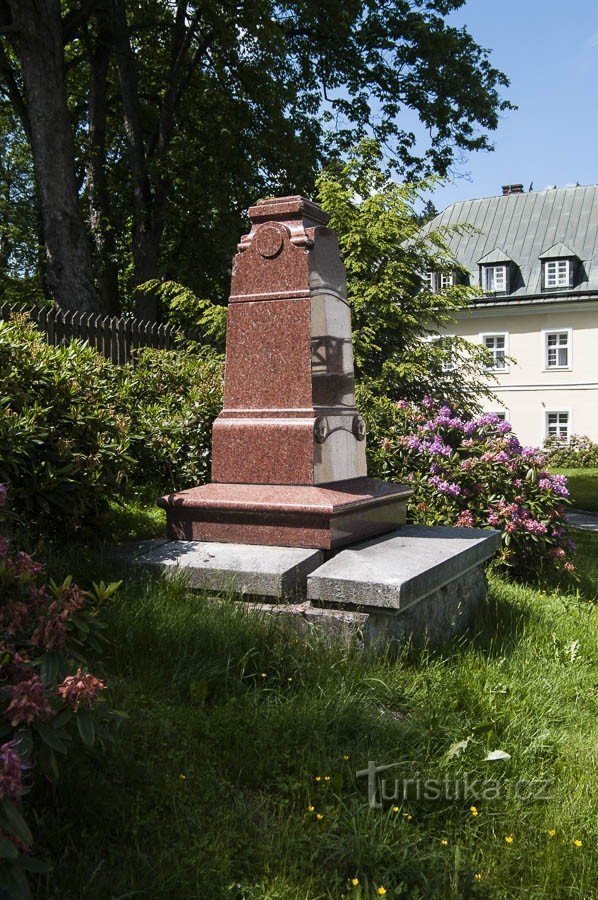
(289,412)
(288,452)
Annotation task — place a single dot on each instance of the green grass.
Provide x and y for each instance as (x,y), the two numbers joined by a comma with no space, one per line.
(583,485)
(206,792)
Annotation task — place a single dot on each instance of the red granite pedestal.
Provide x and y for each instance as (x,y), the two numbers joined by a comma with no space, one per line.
(288,451)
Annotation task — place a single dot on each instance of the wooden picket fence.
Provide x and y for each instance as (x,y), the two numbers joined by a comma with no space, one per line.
(115,338)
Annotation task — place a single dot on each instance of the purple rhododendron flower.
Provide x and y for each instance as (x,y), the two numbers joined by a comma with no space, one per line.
(11,771)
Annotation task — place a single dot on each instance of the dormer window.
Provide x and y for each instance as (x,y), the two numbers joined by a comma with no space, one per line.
(494,278)
(495,272)
(559,264)
(438,281)
(557,273)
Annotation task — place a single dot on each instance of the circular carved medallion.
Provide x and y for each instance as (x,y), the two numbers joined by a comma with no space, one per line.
(359,428)
(268,241)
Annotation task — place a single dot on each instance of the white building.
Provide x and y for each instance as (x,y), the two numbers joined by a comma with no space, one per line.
(535,258)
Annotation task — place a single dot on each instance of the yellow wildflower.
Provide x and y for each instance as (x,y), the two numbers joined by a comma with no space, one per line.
(318,777)
(355,882)
(551,832)
(395,809)
(477,876)
(474,811)
(319,817)
(444,842)
(346,758)
(326,777)
(182,777)
(509,838)
(311,809)
(381,891)
(264,675)
(578,843)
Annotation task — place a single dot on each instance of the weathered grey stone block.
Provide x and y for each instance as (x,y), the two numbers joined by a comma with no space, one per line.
(400,569)
(256,570)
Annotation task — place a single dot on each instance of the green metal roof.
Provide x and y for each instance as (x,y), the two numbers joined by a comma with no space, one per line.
(495,256)
(557,251)
(521,227)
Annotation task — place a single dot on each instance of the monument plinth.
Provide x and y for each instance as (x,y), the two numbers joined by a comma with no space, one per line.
(288,448)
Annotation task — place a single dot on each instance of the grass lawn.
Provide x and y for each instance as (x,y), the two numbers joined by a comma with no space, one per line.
(583,485)
(235,776)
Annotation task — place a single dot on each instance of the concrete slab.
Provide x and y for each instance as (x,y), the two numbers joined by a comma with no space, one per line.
(255,570)
(400,569)
(581,518)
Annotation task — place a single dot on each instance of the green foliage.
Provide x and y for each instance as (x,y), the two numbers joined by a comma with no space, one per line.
(20,281)
(171,400)
(236,102)
(233,716)
(396,320)
(63,447)
(578,453)
(583,487)
(197,317)
(47,696)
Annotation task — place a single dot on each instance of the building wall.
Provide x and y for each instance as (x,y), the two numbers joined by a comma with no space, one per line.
(528,390)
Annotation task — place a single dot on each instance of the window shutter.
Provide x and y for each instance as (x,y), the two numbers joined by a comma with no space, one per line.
(507,278)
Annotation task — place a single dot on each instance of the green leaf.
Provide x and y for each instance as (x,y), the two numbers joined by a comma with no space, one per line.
(64,716)
(38,866)
(86,728)
(8,849)
(49,736)
(14,821)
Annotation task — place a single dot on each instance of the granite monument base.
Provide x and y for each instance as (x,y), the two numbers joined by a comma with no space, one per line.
(417,582)
(322,517)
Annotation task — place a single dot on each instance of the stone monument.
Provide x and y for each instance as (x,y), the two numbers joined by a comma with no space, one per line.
(288,451)
(289,478)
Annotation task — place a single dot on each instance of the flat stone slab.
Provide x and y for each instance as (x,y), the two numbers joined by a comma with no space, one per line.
(580,518)
(395,571)
(260,571)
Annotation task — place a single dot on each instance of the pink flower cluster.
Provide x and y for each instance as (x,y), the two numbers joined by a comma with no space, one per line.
(34,621)
(474,472)
(80,689)
(28,702)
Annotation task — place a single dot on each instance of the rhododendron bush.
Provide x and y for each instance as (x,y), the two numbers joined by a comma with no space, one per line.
(47,696)
(473,472)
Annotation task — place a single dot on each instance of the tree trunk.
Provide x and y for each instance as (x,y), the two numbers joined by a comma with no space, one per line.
(100,222)
(37,38)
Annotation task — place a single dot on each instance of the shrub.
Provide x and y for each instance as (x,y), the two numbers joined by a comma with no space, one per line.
(47,696)
(63,447)
(171,399)
(578,453)
(475,473)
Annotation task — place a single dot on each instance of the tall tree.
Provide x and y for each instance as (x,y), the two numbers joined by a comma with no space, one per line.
(397,320)
(184,111)
(36,36)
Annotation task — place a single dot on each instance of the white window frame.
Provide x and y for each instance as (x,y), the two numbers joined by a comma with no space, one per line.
(505,350)
(562,273)
(501,413)
(502,269)
(446,280)
(429,281)
(558,412)
(546,332)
